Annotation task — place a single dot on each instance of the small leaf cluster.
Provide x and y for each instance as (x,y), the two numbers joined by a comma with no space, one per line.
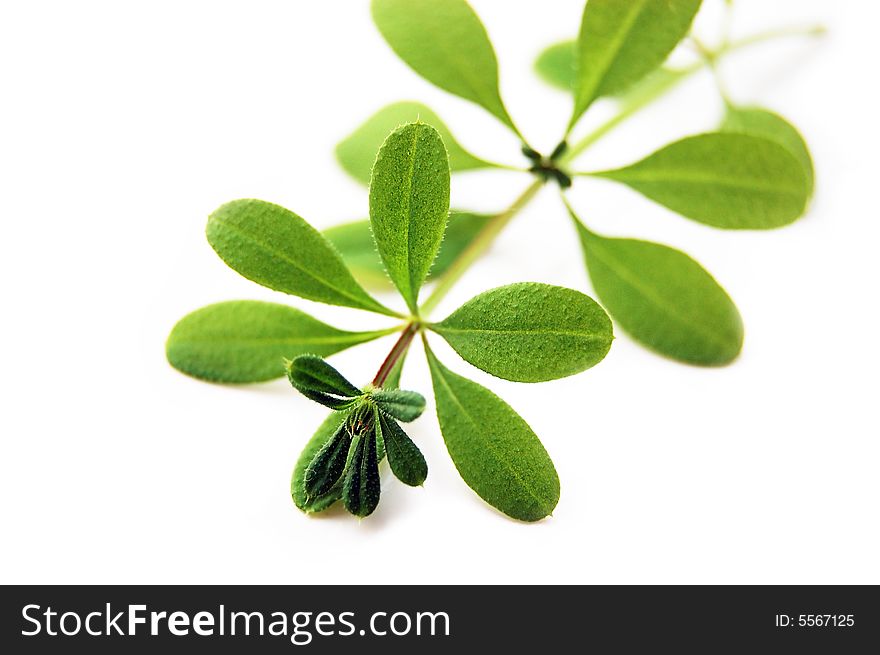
(346,465)
(525,332)
(753,172)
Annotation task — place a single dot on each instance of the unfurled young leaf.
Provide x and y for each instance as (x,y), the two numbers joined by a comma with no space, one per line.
(317,380)
(722,179)
(324,433)
(495,451)
(355,243)
(274,247)
(403,405)
(764,123)
(529,332)
(556,65)
(406,460)
(361,487)
(621,41)
(444,42)
(663,299)
(247,340)
(357,152)
(409,205)
(328,464)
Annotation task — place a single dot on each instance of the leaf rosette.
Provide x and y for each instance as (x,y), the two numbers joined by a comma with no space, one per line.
(754,172)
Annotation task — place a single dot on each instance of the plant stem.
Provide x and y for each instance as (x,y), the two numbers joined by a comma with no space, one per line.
(630,109)
(476,247)
(663,86)
(771,35)
(398,350)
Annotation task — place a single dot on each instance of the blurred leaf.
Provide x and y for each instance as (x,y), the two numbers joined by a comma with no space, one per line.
(722,179)
(355,243)
(529,332)
(444,42)
(409,205)
(274,247)
(246,340)
(651,86)
(495,451)
(461,229)
(761,122)
(663,299)
(621,42)
(357,152)
(556,64)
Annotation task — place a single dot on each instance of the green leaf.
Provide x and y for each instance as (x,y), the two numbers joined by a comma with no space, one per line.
(357,152)
(461,229)
(354,241)
(726,180)
(650,87)
(406,460)
(297,483)
(494,449)
(556,65)
(361,487)
(663,299)
(409,205)
(317,380)
(328,464)
(444,42)
(358,248)
(621,42)
(247,340)
(761,122)
(274,247)
(529,332)
(403,405)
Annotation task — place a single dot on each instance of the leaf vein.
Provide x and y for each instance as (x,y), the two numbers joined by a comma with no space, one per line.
(511,469)
(656,299)
(283,256)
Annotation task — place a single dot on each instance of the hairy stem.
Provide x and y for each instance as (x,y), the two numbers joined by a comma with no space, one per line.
(397,351)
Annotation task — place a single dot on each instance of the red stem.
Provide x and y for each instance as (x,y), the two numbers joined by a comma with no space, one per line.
(397,351)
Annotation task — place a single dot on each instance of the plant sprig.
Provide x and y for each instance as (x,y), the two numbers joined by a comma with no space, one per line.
(753,172)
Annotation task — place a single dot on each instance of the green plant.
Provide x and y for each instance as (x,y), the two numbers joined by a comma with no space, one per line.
(754,172)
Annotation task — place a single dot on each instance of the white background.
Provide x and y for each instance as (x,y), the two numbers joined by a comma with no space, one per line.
(124,124)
